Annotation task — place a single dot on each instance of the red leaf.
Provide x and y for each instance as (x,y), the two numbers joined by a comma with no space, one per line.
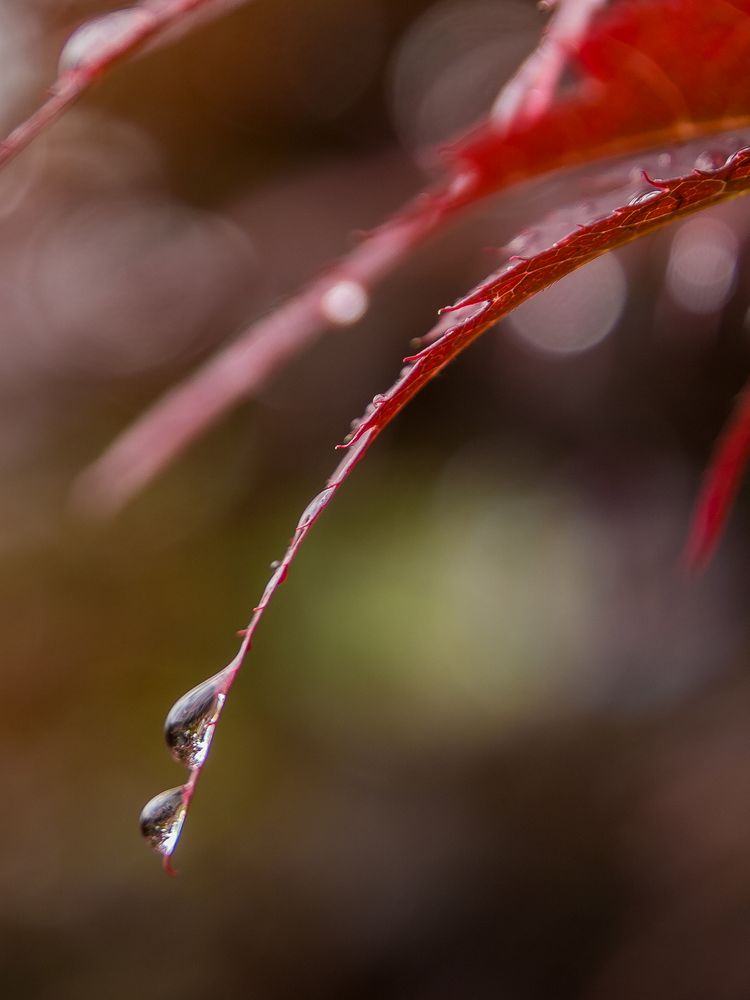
(653,73)
(479,310)
(721,484)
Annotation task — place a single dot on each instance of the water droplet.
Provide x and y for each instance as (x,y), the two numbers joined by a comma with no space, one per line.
(463,182)
(190,723)
(644,197)
(378,400)
(520,243)
(710,160)
(275,565)
(93,40)
(345,303)
(162,818)
(314,508)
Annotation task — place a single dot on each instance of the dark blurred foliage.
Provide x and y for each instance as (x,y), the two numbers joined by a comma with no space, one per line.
(491,742)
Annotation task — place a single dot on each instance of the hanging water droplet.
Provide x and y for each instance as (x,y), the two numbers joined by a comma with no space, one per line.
(190,724)
(162,818)
(93,40)
(275,565)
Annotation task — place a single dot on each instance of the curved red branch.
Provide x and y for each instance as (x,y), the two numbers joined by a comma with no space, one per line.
(475,313)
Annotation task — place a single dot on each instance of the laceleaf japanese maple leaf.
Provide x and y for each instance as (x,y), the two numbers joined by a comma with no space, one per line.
(650,74)
(653,75)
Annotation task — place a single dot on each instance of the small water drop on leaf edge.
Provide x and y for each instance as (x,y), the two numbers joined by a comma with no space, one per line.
(162,819)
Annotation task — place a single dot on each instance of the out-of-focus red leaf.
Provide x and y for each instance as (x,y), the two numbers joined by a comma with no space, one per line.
(721,484)
(99,45)
(653,73)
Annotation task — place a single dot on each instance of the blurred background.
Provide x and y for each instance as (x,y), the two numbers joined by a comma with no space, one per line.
(491,742)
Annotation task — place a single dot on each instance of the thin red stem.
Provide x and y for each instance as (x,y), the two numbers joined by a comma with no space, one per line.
(481,309)
(237,371)
(722,481)
(164,16)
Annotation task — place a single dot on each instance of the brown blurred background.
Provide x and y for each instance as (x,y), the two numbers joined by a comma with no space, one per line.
(491,743)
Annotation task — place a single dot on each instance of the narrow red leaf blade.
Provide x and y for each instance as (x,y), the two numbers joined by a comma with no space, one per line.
(482,308)
(721,484)
(150,23)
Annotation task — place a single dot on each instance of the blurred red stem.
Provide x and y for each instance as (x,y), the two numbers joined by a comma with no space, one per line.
(160,434)
(721,484)
(163,19)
